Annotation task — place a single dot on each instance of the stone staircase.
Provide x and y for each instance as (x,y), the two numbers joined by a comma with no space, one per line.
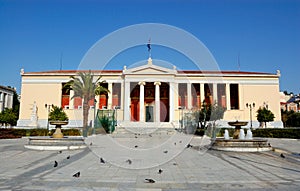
(133,128)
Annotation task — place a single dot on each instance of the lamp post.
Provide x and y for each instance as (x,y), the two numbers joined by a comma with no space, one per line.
(250,106)
(95,103)
(48,106)
(181,124)
(116,108)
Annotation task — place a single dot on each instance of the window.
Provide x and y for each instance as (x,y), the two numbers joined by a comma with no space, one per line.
(196,101)
(182,94)
(65,96)
(234,96)
(116,94)
(208,93)
(221,95)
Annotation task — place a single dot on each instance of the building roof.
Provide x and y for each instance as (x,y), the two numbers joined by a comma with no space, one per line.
(184,72)
(7,88)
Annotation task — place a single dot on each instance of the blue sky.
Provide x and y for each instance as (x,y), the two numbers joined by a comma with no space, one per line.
(265,33)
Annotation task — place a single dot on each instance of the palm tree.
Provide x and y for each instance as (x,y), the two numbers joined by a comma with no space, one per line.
(85,88)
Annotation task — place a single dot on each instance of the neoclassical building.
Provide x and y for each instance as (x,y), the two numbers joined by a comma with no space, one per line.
(6,97)
(153,94)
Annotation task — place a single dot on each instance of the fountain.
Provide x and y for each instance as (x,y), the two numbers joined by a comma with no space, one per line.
(226,135)
(240,142)
(57,141)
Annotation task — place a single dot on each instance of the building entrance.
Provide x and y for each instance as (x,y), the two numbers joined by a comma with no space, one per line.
(154,108)
(149,114)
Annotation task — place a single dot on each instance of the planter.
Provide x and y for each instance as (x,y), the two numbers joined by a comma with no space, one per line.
(58,124)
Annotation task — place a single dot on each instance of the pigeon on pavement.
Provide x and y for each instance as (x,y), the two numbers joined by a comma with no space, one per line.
(149,180)
(55,164)
(76,175)
(102,160)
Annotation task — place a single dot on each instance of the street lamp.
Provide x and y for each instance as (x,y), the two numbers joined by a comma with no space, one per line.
(250,106)
(116,108)
(181,125)
(48,106)
(95,103)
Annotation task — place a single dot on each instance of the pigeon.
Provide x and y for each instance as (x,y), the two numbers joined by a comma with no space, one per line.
(135,137)
(175,143)
(189,146)
(102,160)
(55,164)
(59,152)
(160,171)
(166,152)
(180,141)
(282,156)
(135,146)
(149,180)
(68,157)
(129,161)
(269,144)
(174,163)
(91,144)
(150,135)
(76,175)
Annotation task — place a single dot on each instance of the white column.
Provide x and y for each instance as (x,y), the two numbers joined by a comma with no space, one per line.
(215,93)
(228,96)
(122,96)
(10,101)
(172,104)
(127,101)
(1,102)
(202,95)
(109,101)
(142,101)
(5,100)
(71,101)
(189,95)
(97,97)
(157,102)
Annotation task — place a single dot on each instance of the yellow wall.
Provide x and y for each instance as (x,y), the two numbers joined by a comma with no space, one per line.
(41,94)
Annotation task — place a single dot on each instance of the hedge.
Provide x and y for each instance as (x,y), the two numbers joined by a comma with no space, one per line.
(268,132)
(11,133)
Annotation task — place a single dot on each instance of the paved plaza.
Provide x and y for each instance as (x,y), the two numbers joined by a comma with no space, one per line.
(194,168)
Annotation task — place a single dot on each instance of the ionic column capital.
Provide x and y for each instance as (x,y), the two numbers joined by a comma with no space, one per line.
(157,83)
(142,83)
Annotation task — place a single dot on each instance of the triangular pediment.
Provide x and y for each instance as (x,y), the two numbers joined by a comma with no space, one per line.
(149,69)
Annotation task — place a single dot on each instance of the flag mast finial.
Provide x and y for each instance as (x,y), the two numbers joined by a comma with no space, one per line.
(149,47)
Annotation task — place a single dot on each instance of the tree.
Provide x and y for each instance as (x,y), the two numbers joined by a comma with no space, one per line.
(290,118)
(209,113)
(86,88)
(264,115)
(8,116)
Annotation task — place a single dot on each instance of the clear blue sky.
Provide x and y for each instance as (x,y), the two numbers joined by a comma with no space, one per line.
(265,33)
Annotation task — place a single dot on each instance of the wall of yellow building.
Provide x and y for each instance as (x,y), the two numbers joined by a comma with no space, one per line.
(43,93)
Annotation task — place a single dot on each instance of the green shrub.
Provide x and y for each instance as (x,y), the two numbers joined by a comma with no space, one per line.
(277,133)
(18,133)
(57,114)
(267,133)
(106,124)
(222,131)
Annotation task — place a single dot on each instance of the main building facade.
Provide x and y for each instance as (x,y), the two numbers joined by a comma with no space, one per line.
(152,94)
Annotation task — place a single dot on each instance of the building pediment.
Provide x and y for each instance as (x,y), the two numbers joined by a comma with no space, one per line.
(149,69)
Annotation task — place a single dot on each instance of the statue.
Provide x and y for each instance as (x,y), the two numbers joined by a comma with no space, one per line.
(34,116)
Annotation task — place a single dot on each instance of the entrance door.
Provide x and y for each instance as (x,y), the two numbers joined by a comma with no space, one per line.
(149,113)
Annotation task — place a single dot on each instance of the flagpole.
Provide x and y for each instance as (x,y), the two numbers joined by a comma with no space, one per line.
(149,47)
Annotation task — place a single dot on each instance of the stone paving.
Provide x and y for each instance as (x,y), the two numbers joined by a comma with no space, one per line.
(193,169)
